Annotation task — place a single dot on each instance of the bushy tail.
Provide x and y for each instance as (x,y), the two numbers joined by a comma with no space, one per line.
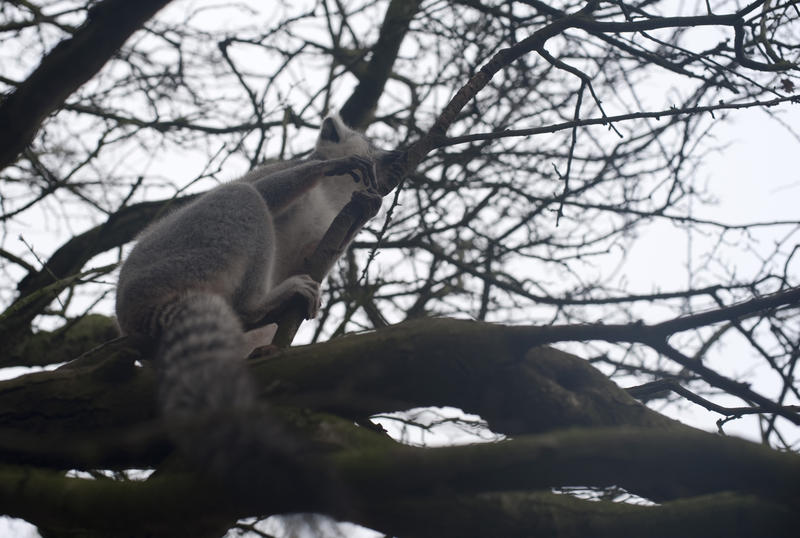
(204,389)
(200,358)
(209,399)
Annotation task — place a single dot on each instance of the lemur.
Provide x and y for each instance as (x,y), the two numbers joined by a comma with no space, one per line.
(197,277)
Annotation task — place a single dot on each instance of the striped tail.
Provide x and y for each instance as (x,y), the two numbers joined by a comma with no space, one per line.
(202,374)
(200,358)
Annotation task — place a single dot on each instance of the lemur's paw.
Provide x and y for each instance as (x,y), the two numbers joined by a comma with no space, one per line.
(308,289)
(353,166)
(386,162)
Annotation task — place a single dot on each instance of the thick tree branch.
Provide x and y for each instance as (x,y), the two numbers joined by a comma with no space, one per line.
(393,369)
(158,506)
(660,465)
(389,370)
(526,514)
(74,338)
(101,390)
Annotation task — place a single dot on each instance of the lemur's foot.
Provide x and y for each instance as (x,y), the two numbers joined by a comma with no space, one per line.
(308,289)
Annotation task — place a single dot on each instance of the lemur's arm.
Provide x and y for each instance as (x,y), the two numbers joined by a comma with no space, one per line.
(279,189)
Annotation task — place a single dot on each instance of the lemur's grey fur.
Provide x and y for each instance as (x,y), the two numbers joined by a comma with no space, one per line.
(202,273)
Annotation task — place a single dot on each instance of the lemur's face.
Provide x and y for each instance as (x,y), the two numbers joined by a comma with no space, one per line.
(338,140)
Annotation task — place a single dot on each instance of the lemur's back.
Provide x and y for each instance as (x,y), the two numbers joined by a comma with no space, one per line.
(202,247)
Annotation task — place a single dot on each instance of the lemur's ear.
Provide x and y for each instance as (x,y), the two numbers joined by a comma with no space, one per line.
(329,130)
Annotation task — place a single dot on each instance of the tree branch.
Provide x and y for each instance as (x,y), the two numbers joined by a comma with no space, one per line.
(526,514)
(660,465)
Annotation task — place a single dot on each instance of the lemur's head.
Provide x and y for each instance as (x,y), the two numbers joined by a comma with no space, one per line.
(336,139)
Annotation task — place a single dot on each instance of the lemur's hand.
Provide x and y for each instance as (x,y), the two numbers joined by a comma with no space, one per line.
(352,165)
(390,166)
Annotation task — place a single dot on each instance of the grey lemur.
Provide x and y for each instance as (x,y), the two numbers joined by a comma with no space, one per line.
(202,273)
